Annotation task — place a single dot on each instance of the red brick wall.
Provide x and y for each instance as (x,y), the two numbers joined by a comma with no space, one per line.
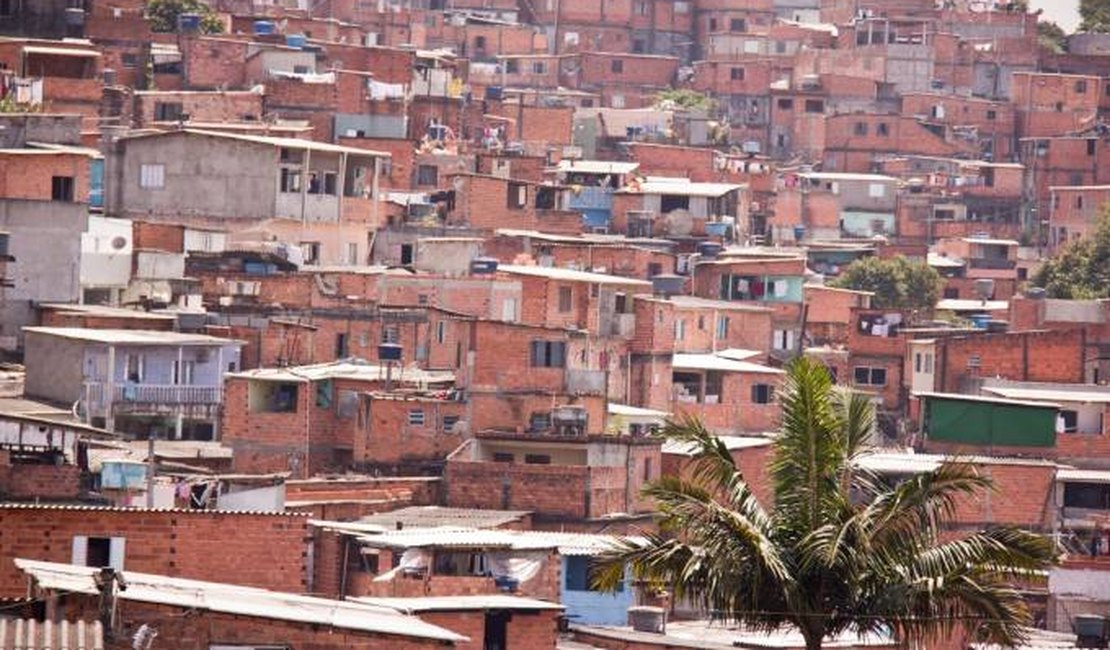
(387,438)
(47,482)
(270,550)
(1047,356)
(158,236)
(29,176)
(549,490)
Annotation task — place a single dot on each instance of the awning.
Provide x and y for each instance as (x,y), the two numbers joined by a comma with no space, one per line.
(59,51)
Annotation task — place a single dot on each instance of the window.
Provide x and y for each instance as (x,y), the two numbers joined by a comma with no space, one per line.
(578,574)
(917,365)
(290,180)
(518,196)
(565,299)
(184,371)
(134,368)
(449,422)
(782,339)
(390,334)
(701,323)
(352,253)
(416,418)
(310,252)
(860,128)
(736,74)
(441,331)
(679,329)
(762,393)
(61,188)
(167,111)
(671,202)
(866,376)
(647,469)
(883,129)
(681,7)
(152,176)
(876,190)
(641,8)
(342,346)
(539,421)
(616,66)
(992,115)
(1092,496)
(427,175)
(713,28)
(537,459)
(815,106)
(1091,143)
(786,104)
(129,60)
(98,551)
(737,25)
(549,354)
(539,67)
(1081,87)
(331,182)
(722,327)
(1068,421)
(479,42)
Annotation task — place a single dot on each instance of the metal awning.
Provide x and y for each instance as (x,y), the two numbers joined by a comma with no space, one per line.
(59,51)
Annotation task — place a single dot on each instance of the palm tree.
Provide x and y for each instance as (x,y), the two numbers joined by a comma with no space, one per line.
(839,550)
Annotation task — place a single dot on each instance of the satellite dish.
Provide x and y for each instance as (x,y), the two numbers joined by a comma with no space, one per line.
(119,243)
(680,223)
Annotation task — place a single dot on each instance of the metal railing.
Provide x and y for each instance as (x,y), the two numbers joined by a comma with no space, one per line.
(97,393)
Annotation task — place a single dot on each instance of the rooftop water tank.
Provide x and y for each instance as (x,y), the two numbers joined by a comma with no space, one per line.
(483,266)
(709,250)
(295,40)
(264,27)
(389,352)
(667,284)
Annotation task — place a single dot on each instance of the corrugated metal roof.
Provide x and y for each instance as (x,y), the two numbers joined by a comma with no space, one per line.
(179,511)
(273,141)
(634,411)
(433,516)
(571,275)
(239,600)
(597,166)
(130,337)
(60,51)
(1087,394)
(1083,475)
(680,187)
(984,399)
(732,443)
(516,540)
(959,304)
(348,370)
(721,363)
(457,603)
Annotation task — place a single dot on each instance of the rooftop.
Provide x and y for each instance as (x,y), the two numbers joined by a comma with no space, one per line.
(597,166)
(962,304)
(693,302)
(238,600)
(437,516)
(273,141)
(459,603)
(348,369)
(679,187)
(985,399)
(130,337)
(1027,391)
(571,275)
(719,363)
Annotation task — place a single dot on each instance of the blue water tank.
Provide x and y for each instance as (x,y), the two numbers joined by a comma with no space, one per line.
(799,233)
(979,321)
(389,352)
(188,23)
(295,40)
(264,27)
(483,265)
(493,93)
(709,250)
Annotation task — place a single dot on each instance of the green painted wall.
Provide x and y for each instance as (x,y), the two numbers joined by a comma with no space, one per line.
(987,423)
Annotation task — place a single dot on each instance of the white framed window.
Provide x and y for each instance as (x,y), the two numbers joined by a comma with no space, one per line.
(782,339)
(876,190)
(679,329)
(98,552)
(352,253)
(416,418)
(152,177)
(868,376)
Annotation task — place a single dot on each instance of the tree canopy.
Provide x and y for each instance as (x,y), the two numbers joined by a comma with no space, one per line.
(1095,15)
(839,550)
(1052,36)
(1081,270)
(898,282)
(683,98)
(162,15)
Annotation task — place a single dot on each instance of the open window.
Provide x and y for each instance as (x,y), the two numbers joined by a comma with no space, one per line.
(273,397)
(98,551)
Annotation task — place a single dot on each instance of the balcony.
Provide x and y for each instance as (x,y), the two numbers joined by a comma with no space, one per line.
(155,395)
(993,264)
(590,198)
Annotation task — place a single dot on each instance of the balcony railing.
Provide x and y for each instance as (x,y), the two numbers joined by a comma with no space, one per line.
(991,263)
(156,394)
